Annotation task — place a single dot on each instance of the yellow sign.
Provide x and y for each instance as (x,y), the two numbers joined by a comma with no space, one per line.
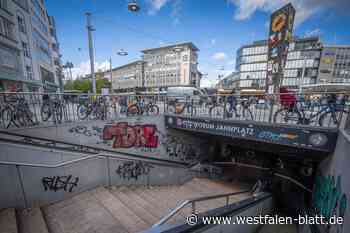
(278,22)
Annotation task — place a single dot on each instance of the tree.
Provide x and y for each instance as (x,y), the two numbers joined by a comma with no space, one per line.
(85,85)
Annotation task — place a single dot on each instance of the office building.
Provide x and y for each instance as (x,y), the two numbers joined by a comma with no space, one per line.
(174,65)
(335,64)
(127,78)
(27,42)
(301,67)
(229,82)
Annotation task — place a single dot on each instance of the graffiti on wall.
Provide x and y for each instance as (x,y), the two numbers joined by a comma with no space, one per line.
(328,198)
(132,136)
(271,136)
(182,149)
(133,170)
(86,131)
(56,183)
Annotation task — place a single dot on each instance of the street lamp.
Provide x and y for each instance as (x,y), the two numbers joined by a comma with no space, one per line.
(133,6)
(121,52)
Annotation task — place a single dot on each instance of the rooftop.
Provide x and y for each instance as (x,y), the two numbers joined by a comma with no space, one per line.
(190,44)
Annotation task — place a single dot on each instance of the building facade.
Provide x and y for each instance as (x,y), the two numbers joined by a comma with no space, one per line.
(335,64)
(175,65)
(27,40)
(127,78)
(301,67)
(229,82)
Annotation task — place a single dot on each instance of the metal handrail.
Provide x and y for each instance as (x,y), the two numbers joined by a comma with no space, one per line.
(105,151)
(193,202)
(51,166)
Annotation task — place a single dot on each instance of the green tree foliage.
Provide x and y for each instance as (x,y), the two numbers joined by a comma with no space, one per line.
(85,85)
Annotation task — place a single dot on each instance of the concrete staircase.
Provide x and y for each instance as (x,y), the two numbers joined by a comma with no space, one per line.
(120,209)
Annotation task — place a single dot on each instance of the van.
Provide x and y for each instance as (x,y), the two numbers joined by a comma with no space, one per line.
(183,94)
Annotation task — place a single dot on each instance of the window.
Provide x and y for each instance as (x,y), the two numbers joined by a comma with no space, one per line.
(29,72)
(25,48)
(3,4)
(21,24)
(6,28)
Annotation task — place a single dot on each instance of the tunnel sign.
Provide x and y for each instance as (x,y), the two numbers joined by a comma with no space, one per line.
(295,136)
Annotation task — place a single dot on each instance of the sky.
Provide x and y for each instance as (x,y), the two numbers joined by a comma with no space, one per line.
(217,27)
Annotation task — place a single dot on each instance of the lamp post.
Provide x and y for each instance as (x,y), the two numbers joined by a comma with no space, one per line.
(121,52)
(133,6)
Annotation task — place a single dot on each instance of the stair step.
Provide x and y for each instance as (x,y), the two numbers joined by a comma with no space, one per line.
(32,221)
(81,214)
(159,202)
(8,222)
(131,204)
(129,219)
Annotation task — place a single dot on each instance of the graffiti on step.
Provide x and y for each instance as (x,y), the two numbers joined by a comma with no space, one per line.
(181,149)
(132,136)
(133,170)
(56,183)
(86,131)
(328,198)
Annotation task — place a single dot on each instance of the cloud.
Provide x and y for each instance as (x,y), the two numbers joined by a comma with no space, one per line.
(219,56)
(304,8)
(213,41)
(84,68)
(315,32)
(156,5)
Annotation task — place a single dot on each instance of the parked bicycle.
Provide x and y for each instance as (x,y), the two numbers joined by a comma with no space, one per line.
(328,114)
(140,107)
(52,108)
(174,107)
(95,109)
(17,112)
(231,110)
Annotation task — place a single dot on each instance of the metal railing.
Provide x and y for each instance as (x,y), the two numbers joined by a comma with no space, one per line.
(109,161)
(19,110)
(193,202)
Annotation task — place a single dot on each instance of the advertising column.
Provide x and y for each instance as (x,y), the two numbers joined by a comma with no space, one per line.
(280,35)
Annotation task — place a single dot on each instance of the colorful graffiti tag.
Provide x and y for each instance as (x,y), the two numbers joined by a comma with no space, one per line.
(128,136)
(328,198)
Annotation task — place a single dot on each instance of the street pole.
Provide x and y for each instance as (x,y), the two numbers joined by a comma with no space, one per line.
(110,70)
(91,51)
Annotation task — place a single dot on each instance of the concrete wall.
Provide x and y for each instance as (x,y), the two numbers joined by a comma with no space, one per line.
(332,188)
(145,136)
(43,185)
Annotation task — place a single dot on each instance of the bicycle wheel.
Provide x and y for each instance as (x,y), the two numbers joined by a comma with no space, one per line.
(82,111)
(45,112)
(190,110)
(247,114)
(152,110)
(217,111)
(289,116)
(332,118)
(132,110)
(7,118)
(171,109)
(58,114)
